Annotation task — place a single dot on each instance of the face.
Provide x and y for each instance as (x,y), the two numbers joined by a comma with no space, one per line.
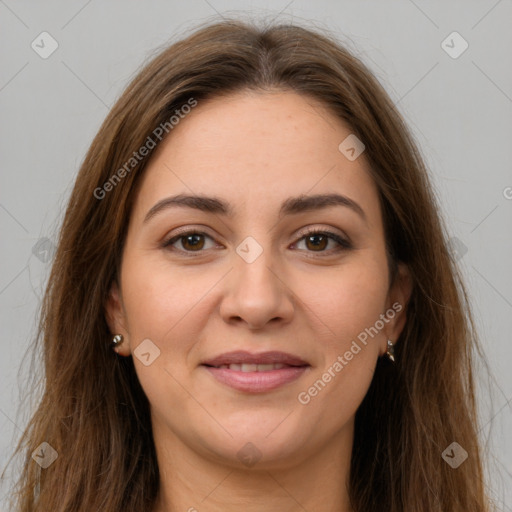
(257,315)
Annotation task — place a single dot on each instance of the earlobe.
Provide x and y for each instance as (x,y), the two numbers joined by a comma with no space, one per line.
(115,317)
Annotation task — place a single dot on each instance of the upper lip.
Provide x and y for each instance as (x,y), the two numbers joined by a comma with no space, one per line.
(244,357)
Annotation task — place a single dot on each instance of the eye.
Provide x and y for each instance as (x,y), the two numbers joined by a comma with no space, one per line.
(190,241)
(318,240)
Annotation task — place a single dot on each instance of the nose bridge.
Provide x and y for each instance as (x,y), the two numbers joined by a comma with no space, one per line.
(254,263)
(256,293)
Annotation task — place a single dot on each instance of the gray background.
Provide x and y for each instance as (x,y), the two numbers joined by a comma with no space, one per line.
(459,110)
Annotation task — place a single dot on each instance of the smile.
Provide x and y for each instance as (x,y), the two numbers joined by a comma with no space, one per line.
(255,373)
(252,367)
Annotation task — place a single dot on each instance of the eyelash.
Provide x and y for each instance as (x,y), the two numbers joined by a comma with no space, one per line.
(343,243)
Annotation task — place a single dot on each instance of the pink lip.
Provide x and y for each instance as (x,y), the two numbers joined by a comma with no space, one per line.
(244,357)
(256,382)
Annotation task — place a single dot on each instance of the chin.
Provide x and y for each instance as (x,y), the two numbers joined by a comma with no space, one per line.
(261,442)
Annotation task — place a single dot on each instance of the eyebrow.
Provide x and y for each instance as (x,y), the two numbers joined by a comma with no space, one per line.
(291,206)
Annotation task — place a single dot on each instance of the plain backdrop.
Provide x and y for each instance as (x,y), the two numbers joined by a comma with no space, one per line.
(456,99)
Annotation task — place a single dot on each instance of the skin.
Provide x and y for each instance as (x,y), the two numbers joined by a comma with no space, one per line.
(254,150)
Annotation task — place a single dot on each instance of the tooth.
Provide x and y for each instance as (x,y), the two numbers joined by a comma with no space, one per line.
(252,367)
(266,367)
(249,367)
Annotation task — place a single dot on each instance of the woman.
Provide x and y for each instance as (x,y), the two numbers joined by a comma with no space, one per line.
(252,305)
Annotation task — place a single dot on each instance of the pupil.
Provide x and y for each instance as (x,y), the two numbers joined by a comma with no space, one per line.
(320,244)
(196,239)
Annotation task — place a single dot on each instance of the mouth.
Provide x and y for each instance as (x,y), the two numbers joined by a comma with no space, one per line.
(256,373)
(251,367)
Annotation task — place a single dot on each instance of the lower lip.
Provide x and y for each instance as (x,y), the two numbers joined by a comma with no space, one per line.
(257,382)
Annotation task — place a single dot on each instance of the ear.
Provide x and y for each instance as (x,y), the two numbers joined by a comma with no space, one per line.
(397,300)
(116,319)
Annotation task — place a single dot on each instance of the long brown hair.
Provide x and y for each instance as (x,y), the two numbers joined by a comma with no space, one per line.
(93,411)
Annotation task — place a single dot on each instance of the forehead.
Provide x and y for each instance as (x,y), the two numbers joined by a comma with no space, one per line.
(256,148)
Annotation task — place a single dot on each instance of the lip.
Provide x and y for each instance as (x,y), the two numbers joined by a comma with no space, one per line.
(256,381)
(244,357)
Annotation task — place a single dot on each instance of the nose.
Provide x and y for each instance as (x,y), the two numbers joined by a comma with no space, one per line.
(257,294)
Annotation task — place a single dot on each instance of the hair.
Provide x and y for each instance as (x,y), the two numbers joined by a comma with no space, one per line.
(93,411)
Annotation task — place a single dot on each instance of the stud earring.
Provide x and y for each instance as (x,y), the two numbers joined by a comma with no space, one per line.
(390,352)
(117,340)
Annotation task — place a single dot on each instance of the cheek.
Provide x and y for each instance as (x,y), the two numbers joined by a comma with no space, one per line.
(158,298)
(347,300)
(163,304)
(347,310)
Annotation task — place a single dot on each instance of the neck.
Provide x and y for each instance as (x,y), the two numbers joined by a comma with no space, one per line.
(191,482)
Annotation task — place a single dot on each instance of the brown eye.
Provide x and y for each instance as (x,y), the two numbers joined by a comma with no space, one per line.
(315,241)
(192,241)
(318,241)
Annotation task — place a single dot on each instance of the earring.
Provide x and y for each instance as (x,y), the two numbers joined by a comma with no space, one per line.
(390,352)
(117,340)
